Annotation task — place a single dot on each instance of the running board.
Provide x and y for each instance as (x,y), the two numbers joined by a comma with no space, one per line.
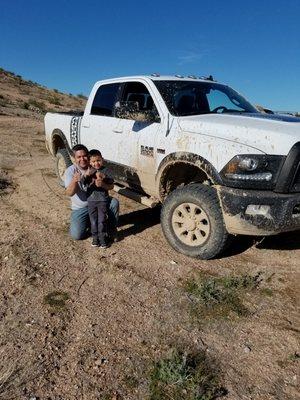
(146,201)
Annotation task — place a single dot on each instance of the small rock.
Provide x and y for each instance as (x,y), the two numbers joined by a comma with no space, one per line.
(247,349)
(173,262)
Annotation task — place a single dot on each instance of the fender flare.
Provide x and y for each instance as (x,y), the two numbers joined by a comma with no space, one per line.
(188,158)
(59,133)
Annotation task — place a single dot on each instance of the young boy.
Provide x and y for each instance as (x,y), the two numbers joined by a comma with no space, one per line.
(97,182)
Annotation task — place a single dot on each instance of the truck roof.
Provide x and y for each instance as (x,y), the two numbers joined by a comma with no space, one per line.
(157,77)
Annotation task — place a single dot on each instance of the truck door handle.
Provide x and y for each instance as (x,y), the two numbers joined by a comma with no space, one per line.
(86,125)
(118,130)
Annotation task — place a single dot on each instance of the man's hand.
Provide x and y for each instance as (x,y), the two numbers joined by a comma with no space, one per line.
(76,177)
(89,172)
(73,187)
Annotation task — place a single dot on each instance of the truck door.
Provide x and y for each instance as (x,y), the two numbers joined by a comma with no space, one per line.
(98,122)
(137,140)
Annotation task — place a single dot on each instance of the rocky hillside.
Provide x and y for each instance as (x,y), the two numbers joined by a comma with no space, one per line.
(24,98)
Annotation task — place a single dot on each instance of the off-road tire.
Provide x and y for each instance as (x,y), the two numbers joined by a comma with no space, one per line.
(63,161)
(196,209)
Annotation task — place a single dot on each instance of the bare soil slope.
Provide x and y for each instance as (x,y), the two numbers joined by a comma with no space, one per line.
(80,323)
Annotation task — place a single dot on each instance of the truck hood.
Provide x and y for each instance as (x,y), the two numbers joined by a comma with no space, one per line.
(269,133)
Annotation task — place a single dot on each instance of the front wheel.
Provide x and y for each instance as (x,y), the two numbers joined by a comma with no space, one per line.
(192,222)
(63,161)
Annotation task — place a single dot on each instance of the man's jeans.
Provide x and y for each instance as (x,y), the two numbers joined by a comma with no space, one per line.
(80,222)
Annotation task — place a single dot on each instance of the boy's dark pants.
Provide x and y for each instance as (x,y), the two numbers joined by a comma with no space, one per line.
(98,215)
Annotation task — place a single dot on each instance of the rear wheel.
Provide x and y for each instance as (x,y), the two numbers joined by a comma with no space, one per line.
(192,221)
(63,161)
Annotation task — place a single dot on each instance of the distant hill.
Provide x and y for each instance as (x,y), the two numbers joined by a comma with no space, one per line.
(268,111)
(24,98)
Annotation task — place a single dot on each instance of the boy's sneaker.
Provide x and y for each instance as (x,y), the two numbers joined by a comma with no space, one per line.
(95,242)
(103,246)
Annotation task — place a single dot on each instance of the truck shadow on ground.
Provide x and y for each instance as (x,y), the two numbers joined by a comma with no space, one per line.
(282,241)
(138,220)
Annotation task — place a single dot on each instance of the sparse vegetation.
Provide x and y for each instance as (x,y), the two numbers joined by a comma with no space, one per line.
(32,104)
(6,184)
(56,300)
(290,359)
(267,292)
(220,296)
(54,100)
(82,96)
(184,376)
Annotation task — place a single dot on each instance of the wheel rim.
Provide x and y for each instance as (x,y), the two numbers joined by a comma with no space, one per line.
(191,224)
(61,167)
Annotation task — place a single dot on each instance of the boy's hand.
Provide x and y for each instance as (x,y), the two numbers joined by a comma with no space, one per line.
(99,179)
(100,175)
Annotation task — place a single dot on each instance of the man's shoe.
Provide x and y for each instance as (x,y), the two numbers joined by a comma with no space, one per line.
(103,246)
(95,242)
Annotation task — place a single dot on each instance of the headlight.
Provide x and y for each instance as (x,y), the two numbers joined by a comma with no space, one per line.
(254,171)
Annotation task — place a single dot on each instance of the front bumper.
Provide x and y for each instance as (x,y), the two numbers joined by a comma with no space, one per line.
(283,212)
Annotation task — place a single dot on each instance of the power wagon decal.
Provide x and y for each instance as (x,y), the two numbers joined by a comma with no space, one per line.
(75,130)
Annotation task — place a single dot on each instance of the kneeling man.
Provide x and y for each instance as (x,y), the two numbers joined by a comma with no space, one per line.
(80,223)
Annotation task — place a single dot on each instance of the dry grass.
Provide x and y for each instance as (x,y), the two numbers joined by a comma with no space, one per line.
(213,297)
(188,376)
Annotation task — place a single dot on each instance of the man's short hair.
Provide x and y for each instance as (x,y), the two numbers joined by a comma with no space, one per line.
(94,152)
(79,147)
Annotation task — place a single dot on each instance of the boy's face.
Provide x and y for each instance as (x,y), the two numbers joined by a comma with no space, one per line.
(96,162)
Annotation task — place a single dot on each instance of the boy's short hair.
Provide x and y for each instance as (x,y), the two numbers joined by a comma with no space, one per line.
(79,147)
(94,152)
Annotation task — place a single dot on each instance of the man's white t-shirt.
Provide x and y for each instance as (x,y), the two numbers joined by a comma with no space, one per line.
(79,199)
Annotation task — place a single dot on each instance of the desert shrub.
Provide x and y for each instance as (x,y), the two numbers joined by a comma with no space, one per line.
(56,300)
(82,96)
(6,184)
(32,103)
(54,100)
(188,376)
(220,296)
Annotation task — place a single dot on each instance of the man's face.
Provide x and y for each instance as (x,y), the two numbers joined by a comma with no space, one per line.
(81,159)
(96,162)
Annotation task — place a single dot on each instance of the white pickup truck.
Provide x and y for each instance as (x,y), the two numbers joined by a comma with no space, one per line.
(218,166)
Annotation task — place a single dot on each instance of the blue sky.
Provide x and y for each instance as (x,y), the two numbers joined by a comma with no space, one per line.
(68,45)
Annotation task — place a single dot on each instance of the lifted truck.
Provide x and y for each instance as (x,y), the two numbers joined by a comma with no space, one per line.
(218,166)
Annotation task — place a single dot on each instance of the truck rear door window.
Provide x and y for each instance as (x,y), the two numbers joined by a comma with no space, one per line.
(105,99)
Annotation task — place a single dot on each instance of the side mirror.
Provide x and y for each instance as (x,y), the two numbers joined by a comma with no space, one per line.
(131,110)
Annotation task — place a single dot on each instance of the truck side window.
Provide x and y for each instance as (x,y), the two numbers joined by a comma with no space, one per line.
(105,99)
(138,93)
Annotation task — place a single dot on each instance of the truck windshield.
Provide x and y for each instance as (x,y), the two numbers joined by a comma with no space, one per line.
(192,98)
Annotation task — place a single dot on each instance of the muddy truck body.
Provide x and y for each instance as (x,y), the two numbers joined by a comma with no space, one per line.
(218,166)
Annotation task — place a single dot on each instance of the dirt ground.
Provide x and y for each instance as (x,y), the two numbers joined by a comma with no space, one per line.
(115,312)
